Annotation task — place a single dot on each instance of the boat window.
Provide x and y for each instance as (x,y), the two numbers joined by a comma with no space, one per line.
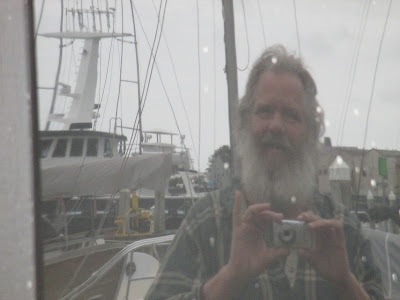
(92,147)
(107,148)
(76,147)
(45,148)
(61,148)
(121,148)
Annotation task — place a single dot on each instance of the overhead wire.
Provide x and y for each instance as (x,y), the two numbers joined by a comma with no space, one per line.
(370,101)
(120,67)
(59,65)
(262,24)
(164,89)
(247,39)
(178,87)
(297,26)
(109,82)
(146,88)
(214,76)
(151,50)
(105,81)
(199,78)
(353,68)
(39,21)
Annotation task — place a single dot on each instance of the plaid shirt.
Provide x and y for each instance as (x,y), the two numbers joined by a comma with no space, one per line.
(202,246)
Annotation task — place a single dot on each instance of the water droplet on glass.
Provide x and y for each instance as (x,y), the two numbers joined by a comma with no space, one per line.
(9,18)
(206,89)
(319,109)
(357,169)
(293,199)
(276,11)
(324,5)
(394,277)
(226,166)
(373,144)
(373,183)
(274,60)
(356,112)
(327,123)
(364,259)
(373,2)
(212,242)
(339,160)
(256,285)
(29,284)
(205,49)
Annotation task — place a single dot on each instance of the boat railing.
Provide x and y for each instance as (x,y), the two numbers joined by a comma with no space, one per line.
(97,275)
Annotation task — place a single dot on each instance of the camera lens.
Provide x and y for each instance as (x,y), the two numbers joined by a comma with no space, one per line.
(287,234)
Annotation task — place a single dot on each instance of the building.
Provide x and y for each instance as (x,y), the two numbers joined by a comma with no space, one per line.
(374,170)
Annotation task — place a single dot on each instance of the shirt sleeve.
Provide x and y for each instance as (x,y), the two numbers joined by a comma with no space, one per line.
(363,266)
(182,273)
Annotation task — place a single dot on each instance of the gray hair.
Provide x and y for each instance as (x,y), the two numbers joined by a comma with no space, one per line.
(277,60)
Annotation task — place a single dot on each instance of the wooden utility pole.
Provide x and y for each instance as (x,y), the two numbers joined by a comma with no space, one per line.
(231,76)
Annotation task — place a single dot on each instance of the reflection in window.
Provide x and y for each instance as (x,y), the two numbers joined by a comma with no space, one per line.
(61,148)
(92,147)
(76,147)
(45,148)
(107,148)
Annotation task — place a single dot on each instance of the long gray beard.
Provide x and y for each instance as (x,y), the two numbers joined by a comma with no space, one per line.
(292,184)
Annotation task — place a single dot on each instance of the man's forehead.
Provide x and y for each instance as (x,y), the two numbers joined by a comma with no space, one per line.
(279,87)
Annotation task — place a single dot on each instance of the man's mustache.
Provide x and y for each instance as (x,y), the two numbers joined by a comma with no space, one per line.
(269,140)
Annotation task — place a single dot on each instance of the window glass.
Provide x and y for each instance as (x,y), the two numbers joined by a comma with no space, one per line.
(76,147)
(61,148)
(121,147)
(45,147)
(107,148)
(92,147)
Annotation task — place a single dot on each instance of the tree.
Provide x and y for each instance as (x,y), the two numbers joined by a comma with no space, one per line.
(217,171)
(223,153)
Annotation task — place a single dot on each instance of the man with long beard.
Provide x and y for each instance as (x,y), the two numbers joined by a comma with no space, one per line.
(225,247)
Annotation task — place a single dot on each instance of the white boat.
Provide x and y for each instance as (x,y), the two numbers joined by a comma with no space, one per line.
(80,163)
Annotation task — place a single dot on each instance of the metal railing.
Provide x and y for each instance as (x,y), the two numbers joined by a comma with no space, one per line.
(97,275)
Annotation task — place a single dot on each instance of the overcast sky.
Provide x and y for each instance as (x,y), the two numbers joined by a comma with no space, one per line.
(329,35)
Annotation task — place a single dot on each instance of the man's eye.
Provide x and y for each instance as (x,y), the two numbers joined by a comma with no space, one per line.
(264,113)
(291,116)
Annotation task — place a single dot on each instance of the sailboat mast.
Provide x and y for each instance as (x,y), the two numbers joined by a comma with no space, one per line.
(138,83)
(231,76)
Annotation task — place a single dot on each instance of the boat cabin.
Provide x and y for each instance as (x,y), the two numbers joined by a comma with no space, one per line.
(80,143)
(160,141)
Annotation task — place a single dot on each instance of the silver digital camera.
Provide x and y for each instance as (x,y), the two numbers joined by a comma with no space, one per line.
(292,234)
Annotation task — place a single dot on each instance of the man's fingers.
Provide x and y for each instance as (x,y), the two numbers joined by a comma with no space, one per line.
(325,223)
(308,216)
(259,206)
(268,216)
(236,217)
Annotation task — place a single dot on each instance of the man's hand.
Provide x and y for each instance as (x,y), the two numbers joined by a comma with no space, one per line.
(329,256)
(250,255)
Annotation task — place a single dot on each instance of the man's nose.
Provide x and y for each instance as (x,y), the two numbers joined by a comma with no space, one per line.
(277,124)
